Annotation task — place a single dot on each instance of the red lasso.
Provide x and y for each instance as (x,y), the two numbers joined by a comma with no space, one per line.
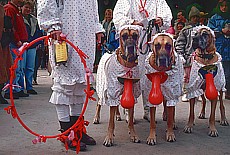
(78,127)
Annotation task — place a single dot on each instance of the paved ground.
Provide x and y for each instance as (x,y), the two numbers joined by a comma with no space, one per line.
(41,117)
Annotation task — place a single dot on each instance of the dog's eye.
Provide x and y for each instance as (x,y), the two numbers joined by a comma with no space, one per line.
(134,36)
(168,47)
(125,36)
(157,47)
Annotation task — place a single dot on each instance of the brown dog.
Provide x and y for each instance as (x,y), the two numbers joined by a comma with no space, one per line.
(123,64)
(164,59)
(205,56)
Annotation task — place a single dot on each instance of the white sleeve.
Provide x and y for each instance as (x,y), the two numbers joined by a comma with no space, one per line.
(99,27)
(121,15)
(164,12)
(48,15)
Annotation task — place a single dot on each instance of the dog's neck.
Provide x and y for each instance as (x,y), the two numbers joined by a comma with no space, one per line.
(124,62)
(206,59)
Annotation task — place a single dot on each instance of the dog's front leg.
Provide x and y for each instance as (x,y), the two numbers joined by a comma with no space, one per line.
(202,112)
(96,119)
(133,136)
(151,140)
(212,128)
(109,137)
(223,120)
(188,127)
(170,136)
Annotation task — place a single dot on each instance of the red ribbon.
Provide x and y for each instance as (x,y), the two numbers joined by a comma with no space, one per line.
(143,10)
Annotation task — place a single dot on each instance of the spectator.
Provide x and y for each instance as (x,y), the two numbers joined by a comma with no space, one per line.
(184,47)
(203,18)
(179,27)
(111,42)
(5,59)
(181,18)
(171,29)
(220,24)
(33,33)
(139,13)
(20,36)
(80,21)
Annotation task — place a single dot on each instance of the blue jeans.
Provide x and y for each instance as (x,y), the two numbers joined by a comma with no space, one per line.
(19,74)
(28,67)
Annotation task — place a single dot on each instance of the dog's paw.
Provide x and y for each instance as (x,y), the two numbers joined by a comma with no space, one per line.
(151,140)
(224,122)
(213,133)
(201,116)
(135,139)
(118,117)
(108,141)
(96,120)
(175,127)
(187,129)
(170,137)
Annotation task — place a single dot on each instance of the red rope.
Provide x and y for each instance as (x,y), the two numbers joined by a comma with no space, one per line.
(79,126)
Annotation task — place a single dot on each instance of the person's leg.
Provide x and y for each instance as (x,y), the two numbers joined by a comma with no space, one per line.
(75,112)
(18,75)
(21,80)
(63,113)
(226,66)
(2,100)
(29,70)
(37,64)
(146,106)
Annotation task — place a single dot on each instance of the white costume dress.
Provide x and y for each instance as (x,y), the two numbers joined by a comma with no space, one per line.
(79,21)
(109,89)
(172,87)
(195,81)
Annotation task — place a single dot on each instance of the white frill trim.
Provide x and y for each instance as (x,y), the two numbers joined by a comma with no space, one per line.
(195,93)
(113,102)
(61,98)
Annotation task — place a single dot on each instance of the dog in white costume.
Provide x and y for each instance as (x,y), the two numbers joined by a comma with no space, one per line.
(120,65)
(206,60)
(163,59)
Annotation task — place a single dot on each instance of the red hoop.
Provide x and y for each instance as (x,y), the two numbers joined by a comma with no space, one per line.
(79,125)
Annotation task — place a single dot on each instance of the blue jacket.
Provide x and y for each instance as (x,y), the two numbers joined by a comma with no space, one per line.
(216,23)
(33,30)
(112,43)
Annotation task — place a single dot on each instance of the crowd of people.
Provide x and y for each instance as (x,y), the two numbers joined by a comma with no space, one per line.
(56,18)
(25,29)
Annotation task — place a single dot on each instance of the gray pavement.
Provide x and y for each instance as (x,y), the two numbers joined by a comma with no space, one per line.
(40,116)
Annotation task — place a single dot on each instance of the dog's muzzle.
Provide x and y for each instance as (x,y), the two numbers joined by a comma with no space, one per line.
(163,56)
(200,41)
(130,47)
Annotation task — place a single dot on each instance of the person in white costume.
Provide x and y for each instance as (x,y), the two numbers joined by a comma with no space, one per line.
(80,22)
(139,12)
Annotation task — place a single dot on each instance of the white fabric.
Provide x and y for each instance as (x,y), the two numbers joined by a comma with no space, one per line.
(108,87)
(67,94)
(172,87)
(101,83)
(79,21)
(195,81)
(65,111)
(126,11)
